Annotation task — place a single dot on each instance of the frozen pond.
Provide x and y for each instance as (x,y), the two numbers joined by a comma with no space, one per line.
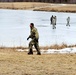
(14,27)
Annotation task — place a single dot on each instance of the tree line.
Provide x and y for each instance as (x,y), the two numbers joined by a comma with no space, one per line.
(51,1)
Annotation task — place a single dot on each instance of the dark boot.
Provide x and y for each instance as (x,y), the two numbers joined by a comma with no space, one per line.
(39,53)
(30,52)
(37,48)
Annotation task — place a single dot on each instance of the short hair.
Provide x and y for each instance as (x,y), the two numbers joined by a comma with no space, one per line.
(32,24)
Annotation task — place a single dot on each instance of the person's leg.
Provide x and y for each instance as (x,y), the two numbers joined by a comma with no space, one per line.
(36,45)
(30,47)
(68,23)
(53,26)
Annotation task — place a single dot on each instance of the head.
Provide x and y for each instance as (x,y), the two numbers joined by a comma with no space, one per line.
(31,25)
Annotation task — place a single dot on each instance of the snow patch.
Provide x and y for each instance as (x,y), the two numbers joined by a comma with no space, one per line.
(65,50)
(20,50)
(52,51)
(56,5)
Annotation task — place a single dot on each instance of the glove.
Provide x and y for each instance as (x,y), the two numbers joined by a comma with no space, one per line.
(28,38)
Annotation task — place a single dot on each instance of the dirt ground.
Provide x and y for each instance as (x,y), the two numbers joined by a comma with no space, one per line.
(36,6)
(19,63)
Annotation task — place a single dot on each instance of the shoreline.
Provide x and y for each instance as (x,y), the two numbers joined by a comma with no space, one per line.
(37,6)
(55,46)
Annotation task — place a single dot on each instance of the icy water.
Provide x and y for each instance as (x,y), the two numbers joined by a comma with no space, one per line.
(14,27)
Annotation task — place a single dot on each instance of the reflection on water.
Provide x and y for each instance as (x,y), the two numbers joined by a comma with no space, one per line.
(14,27)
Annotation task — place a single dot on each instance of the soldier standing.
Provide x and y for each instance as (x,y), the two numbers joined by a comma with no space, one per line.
(54,22)
(35,37)
(51,19)
(68,20)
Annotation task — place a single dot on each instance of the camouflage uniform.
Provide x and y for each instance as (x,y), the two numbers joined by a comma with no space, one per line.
(34,36)
(51,19)
(68,20)
(54,22)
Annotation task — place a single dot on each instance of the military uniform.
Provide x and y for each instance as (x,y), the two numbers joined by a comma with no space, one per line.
(51,19)
(34,36)
(68,20)
(54,22)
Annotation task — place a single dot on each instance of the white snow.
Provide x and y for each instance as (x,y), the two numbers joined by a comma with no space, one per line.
(14,29)
(65,50)
(53,51)
(58,5)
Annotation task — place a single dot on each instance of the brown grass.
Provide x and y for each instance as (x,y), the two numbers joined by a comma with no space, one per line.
(37,6)
(58,9)
(55,46)
(21,5)
(19,63)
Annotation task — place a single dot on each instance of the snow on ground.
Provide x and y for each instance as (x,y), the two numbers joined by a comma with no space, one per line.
(58,5)
(53,51)
(65,50)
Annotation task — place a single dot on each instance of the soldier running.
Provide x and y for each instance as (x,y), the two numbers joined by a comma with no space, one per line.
(35,37)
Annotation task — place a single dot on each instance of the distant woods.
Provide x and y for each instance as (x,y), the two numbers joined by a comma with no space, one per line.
(47,1)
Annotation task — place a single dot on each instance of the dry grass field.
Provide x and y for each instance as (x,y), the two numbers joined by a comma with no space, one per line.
(19,63)
(21,5)
(59,8)
(39,6)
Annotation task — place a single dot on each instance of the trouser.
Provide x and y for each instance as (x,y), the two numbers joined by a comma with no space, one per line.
(36,45)
(54,26)
(68,24)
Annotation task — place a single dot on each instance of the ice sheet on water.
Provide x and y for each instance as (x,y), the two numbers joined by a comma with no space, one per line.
(14,27)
